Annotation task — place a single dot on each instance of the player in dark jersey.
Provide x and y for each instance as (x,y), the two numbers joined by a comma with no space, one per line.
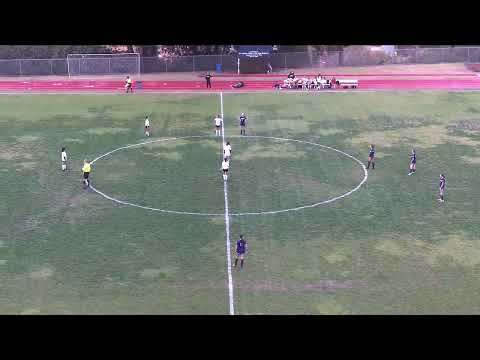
(371,157)
(243,123)
(413,162)
(241,251)
(441,187)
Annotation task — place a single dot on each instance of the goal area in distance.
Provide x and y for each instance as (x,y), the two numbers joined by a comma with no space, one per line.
(103,64)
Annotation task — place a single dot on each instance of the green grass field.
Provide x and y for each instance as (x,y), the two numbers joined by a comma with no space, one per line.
(388,248)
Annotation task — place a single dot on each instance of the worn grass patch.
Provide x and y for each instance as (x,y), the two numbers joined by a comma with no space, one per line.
(328,132)
(170,155)
(167,144)
(107,130)
(422,137)
(272,151)
(471,159)
(42,273)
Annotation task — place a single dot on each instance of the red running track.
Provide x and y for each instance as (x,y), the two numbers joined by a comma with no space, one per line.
(115,86)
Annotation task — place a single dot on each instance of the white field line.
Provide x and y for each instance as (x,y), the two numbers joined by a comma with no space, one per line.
(227,222)
(321,147)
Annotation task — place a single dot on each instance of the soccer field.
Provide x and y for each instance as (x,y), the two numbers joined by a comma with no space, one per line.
(384,246)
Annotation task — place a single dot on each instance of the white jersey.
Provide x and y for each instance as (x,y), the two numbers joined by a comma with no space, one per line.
(64,156)
(218,121)
(229,147)
(225,165)
(227,152)
(147,123)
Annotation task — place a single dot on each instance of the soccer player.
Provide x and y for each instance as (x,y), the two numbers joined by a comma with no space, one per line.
(243,123)
(147,126)
(225,166)
(128,84)
(86,172)
(227,151)
(371,157)
(241,251)
(441,187)
(64,159)
(413,162)
(218,125)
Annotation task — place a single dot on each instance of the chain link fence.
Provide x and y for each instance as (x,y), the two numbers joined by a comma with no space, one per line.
(351,56)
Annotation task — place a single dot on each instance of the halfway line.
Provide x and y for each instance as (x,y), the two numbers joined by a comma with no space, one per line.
(227,222)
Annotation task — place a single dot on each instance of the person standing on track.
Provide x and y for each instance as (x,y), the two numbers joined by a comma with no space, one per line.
(241,251)
(86,172)
(441,188)
(243,123)
(207,78)
(64,159)
(128,84)
(147,126)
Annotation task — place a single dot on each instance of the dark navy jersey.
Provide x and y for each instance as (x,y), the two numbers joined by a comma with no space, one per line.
(371,152)
(241,246)
(413,158)
(442,183)
(243,120)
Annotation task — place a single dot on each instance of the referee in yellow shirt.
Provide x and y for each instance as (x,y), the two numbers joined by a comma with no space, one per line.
(128,84)
(86,171)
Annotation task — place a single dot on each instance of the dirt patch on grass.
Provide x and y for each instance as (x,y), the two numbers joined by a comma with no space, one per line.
(76,141)
(471,160)
(459,248)
(172,155)
(14,153)
(274,151)
(391,247)
(421,137)
(107,131)
(328,132)
(40,274)
(334,258)
(30,312)
(167,144)
(30,165)
(27,138)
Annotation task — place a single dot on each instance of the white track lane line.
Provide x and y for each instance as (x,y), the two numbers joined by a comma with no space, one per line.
(227,222)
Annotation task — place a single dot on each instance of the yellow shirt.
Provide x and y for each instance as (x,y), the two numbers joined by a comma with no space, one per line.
(129,81)
(86,168)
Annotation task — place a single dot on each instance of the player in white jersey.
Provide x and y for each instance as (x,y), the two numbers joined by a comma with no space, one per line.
(64,159)
(227,151)
(147,126)
(218,125)
(225,166)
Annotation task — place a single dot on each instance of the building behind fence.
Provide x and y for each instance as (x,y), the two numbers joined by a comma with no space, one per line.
(105,65)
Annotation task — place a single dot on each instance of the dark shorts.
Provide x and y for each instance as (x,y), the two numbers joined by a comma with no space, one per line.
(85,175)
(371,158)
(217,126)
(243,125)
(225,170)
